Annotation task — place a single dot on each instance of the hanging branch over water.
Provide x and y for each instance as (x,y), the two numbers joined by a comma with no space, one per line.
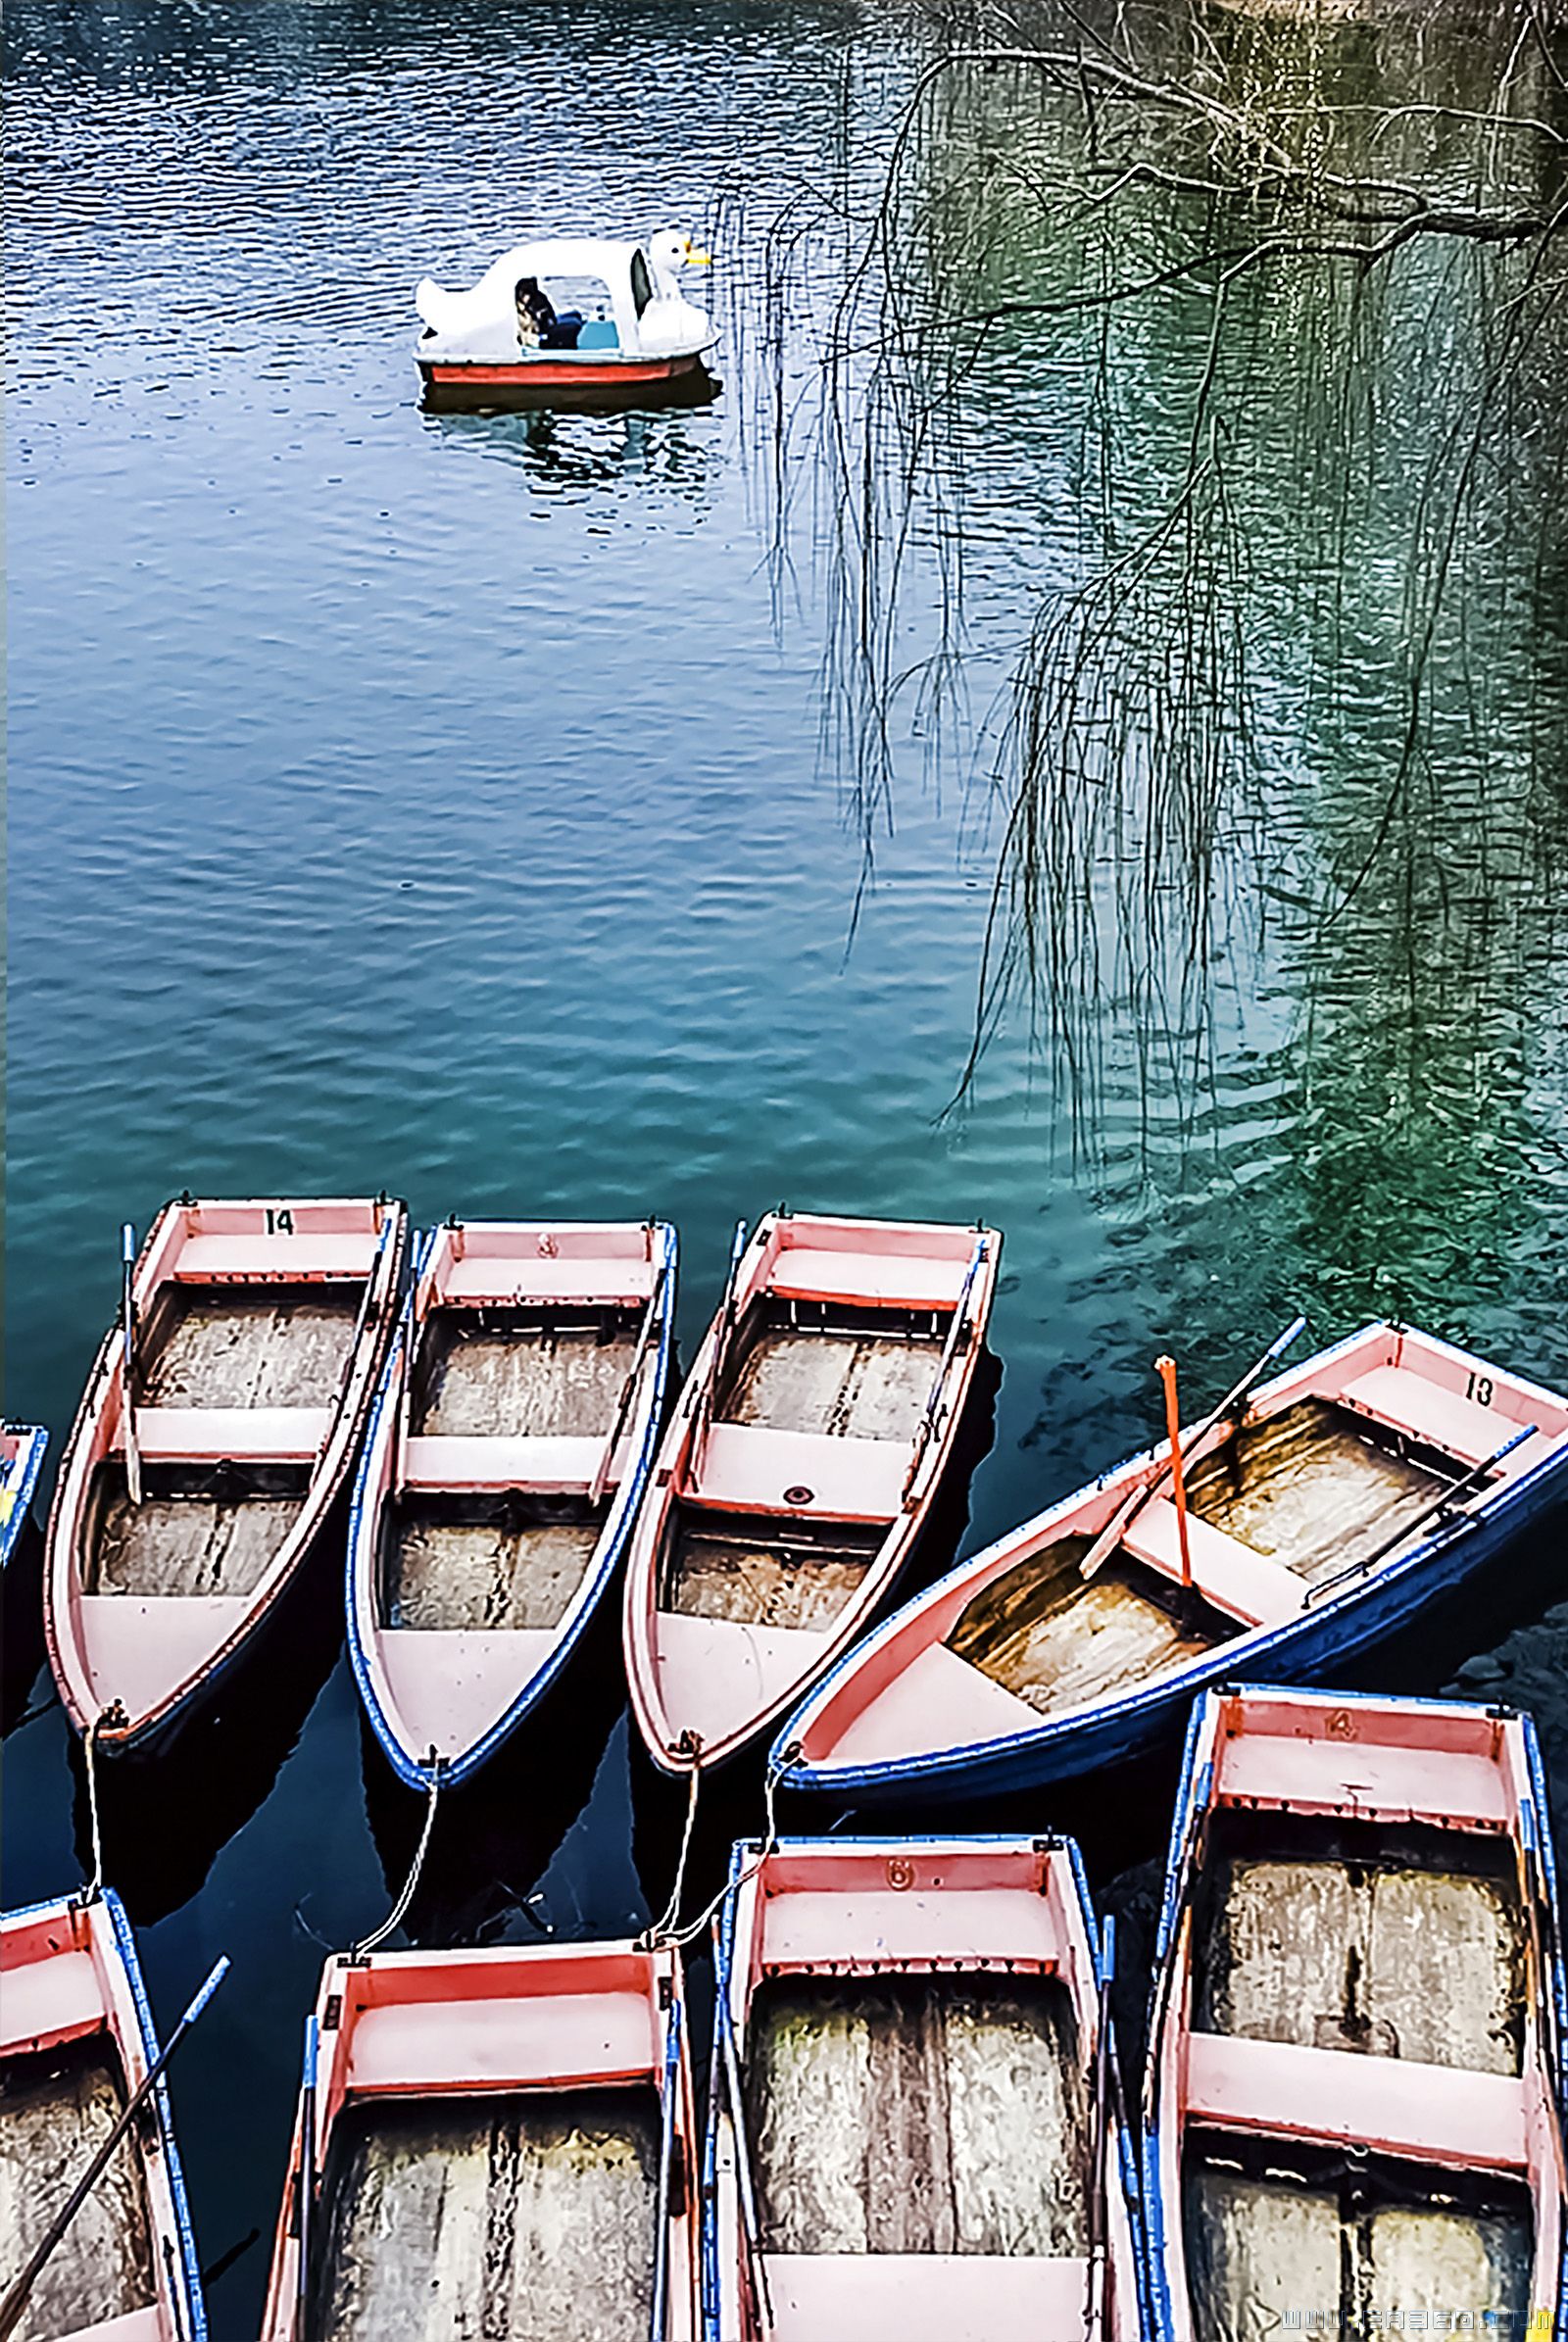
(1235,259)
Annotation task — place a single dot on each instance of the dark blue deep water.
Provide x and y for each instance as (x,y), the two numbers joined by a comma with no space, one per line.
(460,807)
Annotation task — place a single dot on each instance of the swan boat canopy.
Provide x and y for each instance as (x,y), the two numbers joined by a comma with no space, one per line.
(566,320)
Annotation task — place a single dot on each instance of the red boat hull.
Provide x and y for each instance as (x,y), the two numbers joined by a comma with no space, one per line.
(567,382)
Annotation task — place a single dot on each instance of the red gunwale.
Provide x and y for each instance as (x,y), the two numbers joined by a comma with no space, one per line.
(550,374)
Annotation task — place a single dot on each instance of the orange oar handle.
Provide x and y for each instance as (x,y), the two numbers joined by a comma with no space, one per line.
(1165,1367)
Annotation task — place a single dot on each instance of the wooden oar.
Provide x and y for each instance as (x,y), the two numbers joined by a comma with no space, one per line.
(745,2174)
(1463,1487)
(16,2301)
(725,1325)
(659,2322)
(650,1317)
(1121,1520)
(128,1394)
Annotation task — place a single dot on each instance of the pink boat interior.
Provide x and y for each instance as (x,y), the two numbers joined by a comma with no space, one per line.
(1295,1504)
(1355,2112)
(492,1479)
(917,2023)
(800,1465)
(254,1339)
(71,2052)
(488,2134)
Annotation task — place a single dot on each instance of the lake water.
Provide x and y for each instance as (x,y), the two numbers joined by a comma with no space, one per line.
(474,808)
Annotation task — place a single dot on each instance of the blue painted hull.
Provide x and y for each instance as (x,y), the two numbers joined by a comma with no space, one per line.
(406,1762)
(1161,2219)
(21,1492)
(1303,1652)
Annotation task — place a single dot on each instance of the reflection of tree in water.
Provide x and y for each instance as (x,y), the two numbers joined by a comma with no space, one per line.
(1269,324)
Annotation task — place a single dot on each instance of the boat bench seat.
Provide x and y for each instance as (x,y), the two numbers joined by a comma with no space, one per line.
(1234,1576)
(913,1280)
(1449,1788)
(136,2326)
(748,1468)
(520,2040)
(1432,2114)
(233,1434)
(924,2297)
(597,1283)
(304,1260)
(50,2000)
(551,1466)
(1409,1403)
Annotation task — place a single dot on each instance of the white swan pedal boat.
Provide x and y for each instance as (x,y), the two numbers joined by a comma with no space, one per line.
(566,320)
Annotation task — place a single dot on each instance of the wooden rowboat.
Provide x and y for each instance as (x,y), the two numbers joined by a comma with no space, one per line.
(1321,1517)
(497,2143)
(511,1443)
(257,1334)
(1353,2110)
(915,2132)
(21,1453)
(798,1469)
(76,2040)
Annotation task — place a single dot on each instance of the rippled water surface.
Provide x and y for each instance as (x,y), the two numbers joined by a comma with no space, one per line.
(447,806)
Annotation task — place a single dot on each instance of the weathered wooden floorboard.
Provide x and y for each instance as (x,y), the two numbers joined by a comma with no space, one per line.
(525,2219)
(56,2110)
(863,1387)
(1310,1489)
(1053,1640)
(251,1350)
(918,2115)
(487,1380)
(1264,2251)
(759,1585)
(509,1571)
(188,1545)
(1394,1959)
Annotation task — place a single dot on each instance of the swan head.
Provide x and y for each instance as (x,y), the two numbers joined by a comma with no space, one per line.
(668,253)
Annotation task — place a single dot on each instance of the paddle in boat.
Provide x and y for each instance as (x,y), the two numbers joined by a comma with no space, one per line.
(798,1468)
(76,2042)
(22,1453)
(915,2132)
(218,1427)
(1302,1524)
(567,320)
(509,1452)
(497,2143)
(1353,2106)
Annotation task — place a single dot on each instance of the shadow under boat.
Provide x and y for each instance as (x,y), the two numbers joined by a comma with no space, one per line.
(215,1766)
(22,1650)
(495,1833)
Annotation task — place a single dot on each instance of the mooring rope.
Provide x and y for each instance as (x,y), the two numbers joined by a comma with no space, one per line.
(394,1918)
(680,1938)
(659,1931)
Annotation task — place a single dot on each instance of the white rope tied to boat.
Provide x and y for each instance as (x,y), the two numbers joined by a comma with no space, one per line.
(662,1930)
(394,1918)
(680,1938)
